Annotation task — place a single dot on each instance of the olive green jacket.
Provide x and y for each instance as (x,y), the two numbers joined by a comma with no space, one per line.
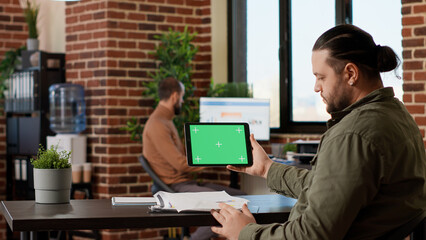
(367,178)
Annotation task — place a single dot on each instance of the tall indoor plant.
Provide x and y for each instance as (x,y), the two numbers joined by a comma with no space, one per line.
(31,14)
(52,175)
(174,55)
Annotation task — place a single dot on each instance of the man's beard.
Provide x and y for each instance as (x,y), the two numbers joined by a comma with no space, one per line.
(177,109)
(339,106)
(340,101)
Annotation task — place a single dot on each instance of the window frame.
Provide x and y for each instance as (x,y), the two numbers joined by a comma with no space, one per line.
(237,58)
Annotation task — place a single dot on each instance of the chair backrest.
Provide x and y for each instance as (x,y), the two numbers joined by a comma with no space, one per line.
(158,185)
(414,228)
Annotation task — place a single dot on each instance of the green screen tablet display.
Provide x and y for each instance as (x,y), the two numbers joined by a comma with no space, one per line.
(213,144)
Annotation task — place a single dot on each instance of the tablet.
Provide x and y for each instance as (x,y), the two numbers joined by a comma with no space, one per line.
(218,144)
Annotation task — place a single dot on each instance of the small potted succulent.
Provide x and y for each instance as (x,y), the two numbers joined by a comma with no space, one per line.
(52,175)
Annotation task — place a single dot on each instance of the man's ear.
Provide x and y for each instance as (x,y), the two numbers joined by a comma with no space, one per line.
(174,97)
(351,73)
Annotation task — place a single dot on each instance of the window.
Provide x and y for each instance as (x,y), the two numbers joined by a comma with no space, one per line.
(307,24)
(271,50)
(263,65)
(366,16)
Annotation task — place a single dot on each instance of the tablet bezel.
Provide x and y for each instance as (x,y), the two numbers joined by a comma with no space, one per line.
(189,147)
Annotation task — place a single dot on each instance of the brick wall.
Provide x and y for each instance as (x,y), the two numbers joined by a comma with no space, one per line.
(13,29)
(12,35)
(414,55)
(107,52)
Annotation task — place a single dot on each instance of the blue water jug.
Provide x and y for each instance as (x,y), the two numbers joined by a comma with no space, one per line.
(67,108)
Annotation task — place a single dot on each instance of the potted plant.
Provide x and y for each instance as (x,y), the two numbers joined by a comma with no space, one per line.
(174,55)
(52,175)
(289,149)
(232,89)
(30,14)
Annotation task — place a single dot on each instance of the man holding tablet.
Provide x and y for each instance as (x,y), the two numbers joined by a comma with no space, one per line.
(368,176)
(164,150)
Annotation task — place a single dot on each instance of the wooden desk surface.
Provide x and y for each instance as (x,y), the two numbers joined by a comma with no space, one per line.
(101,214)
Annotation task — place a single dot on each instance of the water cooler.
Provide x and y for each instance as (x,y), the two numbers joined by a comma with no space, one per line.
(67,120)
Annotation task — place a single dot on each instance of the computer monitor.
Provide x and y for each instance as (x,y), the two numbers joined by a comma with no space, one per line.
(253,111)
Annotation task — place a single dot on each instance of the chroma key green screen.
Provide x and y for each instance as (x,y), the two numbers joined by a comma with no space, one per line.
(219,144)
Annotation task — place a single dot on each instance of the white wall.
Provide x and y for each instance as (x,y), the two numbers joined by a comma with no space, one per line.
(219,41)
(50,25)
(52,17)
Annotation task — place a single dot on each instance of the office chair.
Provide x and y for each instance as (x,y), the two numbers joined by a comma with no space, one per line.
(415,228)
(159,185)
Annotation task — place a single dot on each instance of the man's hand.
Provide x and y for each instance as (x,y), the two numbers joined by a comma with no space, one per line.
(261,161)
(232,220)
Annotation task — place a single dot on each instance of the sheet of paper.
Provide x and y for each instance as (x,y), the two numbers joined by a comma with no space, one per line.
(196,201)
(133,200)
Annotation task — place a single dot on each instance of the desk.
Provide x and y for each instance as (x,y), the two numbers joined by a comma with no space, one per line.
(101,214)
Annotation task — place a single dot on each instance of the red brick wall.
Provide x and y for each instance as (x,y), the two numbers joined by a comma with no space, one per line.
(12,35)
(414,55)
(12,26)
(107,51)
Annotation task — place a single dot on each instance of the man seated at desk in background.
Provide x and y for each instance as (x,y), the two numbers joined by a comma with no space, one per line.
(165,152)
(368,177)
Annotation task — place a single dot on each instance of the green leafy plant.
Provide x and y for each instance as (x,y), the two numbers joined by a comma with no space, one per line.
(135,129)
(289,147)
(7,67)
(31,14)
(229,90)
(174,55)
(51,158)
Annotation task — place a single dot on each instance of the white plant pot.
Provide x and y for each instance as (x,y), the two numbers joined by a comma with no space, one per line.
(52,185)
(32,44)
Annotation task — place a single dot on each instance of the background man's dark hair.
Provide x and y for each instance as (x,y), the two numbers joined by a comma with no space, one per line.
(168,86)
(348,43)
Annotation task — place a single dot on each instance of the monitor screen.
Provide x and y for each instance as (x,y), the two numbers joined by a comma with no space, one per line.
(253,111)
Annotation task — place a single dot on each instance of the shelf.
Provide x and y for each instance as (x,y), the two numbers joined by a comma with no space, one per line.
(28,87)
(27,123)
